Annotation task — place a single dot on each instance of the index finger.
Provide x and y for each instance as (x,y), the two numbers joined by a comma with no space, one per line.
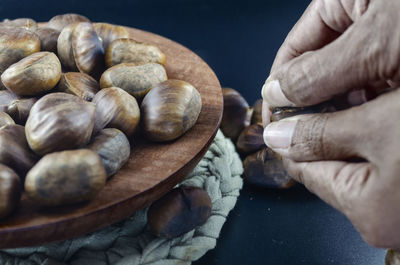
(321,23)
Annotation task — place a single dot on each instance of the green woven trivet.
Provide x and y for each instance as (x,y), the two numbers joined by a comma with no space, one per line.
(131,243)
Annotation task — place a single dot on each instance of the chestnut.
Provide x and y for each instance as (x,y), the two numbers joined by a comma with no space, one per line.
(113,147)
(48,39)
(10,190)
(115,108)
(6,97)
(78,84)
(64,48)
(169,110)
(14,149)
(88,50)
(251,139)
(137,80)
(15,44)
(130,51)
(33,75)
(66,177)
(236,115)
(59,121)
(286,112)
(17,107)
(257,112)
(179,211)
(392,257)
(79,48)
(5,119)
(265,169)
(59,22)
(26,23)
(108,33)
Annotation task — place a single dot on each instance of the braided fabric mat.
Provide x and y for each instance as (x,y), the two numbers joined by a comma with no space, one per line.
(131,242)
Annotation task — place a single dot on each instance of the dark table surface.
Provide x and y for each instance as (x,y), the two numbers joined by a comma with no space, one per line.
(239,40)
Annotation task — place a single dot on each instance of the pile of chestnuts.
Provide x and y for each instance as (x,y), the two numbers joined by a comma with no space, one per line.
(243,125)
(72,95)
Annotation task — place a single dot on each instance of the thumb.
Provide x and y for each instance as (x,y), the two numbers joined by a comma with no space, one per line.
(335,182)
(348,187)
(327,136)
(354,60)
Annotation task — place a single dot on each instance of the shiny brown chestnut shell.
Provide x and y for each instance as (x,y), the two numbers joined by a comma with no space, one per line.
(6,97)
(131,51)
(257,112)
(392,257)
(14,149)
(236,115)
(48,39)
(79,48)
(280,113)
(251,139)
(59,121)
(5,119)
(10,190)
(169,110)
(137,80)
(26,23)
(108,33)
(265,169)
(179,211)
(33,75)
(65,177)
(115,108)
(17,107)
(15,44)
(59,22)
(113,147)
(88,50)
(78,84)
(64,48)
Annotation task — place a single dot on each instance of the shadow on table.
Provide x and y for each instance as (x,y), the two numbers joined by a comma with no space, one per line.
(288,227)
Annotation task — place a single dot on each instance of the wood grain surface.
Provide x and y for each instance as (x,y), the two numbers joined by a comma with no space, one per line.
(152,170)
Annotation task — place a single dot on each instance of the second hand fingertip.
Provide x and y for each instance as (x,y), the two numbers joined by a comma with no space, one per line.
(273,94)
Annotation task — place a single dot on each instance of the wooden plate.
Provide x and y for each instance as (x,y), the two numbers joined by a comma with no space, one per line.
(152,170)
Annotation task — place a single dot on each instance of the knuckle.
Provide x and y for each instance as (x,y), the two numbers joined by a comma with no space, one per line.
(308,138)
(295,76)
(355,8)
(350,181)
(381,56)
(297,79)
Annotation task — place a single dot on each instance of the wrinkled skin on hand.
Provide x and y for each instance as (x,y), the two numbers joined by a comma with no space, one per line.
(343,46)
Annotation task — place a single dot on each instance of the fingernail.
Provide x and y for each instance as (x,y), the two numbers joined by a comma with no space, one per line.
(278,135)
(273,94)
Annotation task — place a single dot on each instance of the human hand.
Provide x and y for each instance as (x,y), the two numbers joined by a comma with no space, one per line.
(340,46)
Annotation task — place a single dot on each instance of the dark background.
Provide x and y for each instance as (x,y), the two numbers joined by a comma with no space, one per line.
(239,41)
